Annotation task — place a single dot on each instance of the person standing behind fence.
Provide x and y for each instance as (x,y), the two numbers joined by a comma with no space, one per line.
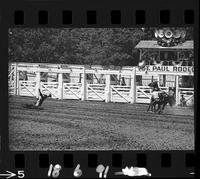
(123,83)
(183,101)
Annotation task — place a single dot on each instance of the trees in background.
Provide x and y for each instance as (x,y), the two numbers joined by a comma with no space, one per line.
(92,46)
(99,46)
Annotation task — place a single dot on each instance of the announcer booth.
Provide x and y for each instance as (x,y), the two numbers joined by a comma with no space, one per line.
(171,66)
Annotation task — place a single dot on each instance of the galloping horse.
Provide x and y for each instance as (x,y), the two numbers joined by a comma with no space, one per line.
(162,101)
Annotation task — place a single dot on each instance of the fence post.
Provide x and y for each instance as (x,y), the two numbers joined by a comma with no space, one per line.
(158,79)
(16,80)
(133,86)
(84,86)
(108,89)
(37,86)
(60,86)
(177,90)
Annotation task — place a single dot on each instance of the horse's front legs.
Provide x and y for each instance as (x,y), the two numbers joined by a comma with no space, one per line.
(154,107)
(162,108)
(150,105)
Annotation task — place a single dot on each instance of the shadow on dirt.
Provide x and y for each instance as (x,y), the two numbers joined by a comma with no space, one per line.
(31,106)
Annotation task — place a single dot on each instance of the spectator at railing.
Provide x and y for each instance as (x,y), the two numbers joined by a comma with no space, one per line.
(191,57)
(123,83)
(148,63)
(177,63)
(165,63)
(185,63)
(151,62)
(191,63)
(170,62)
(144,61)
(183,101)
(191,60)
(152,59)
(158,62)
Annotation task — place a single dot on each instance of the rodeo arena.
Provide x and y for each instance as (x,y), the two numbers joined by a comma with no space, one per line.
(105,108)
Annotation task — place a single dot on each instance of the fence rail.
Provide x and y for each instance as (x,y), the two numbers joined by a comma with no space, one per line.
(130,92)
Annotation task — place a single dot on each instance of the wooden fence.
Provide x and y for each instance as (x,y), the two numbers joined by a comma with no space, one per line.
(103,89)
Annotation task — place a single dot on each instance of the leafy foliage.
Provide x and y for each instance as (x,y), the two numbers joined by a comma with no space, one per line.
(99,46)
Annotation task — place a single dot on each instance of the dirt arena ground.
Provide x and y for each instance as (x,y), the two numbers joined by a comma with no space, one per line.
(89,125)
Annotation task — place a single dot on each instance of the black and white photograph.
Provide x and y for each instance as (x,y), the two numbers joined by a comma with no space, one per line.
(79,89)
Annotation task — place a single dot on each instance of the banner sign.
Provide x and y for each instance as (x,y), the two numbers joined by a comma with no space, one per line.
(179,70)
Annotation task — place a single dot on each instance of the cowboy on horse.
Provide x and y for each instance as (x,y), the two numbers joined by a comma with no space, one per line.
(155,95)
(160,98)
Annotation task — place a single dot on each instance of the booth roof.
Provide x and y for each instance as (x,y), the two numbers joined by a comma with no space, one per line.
(152,44)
